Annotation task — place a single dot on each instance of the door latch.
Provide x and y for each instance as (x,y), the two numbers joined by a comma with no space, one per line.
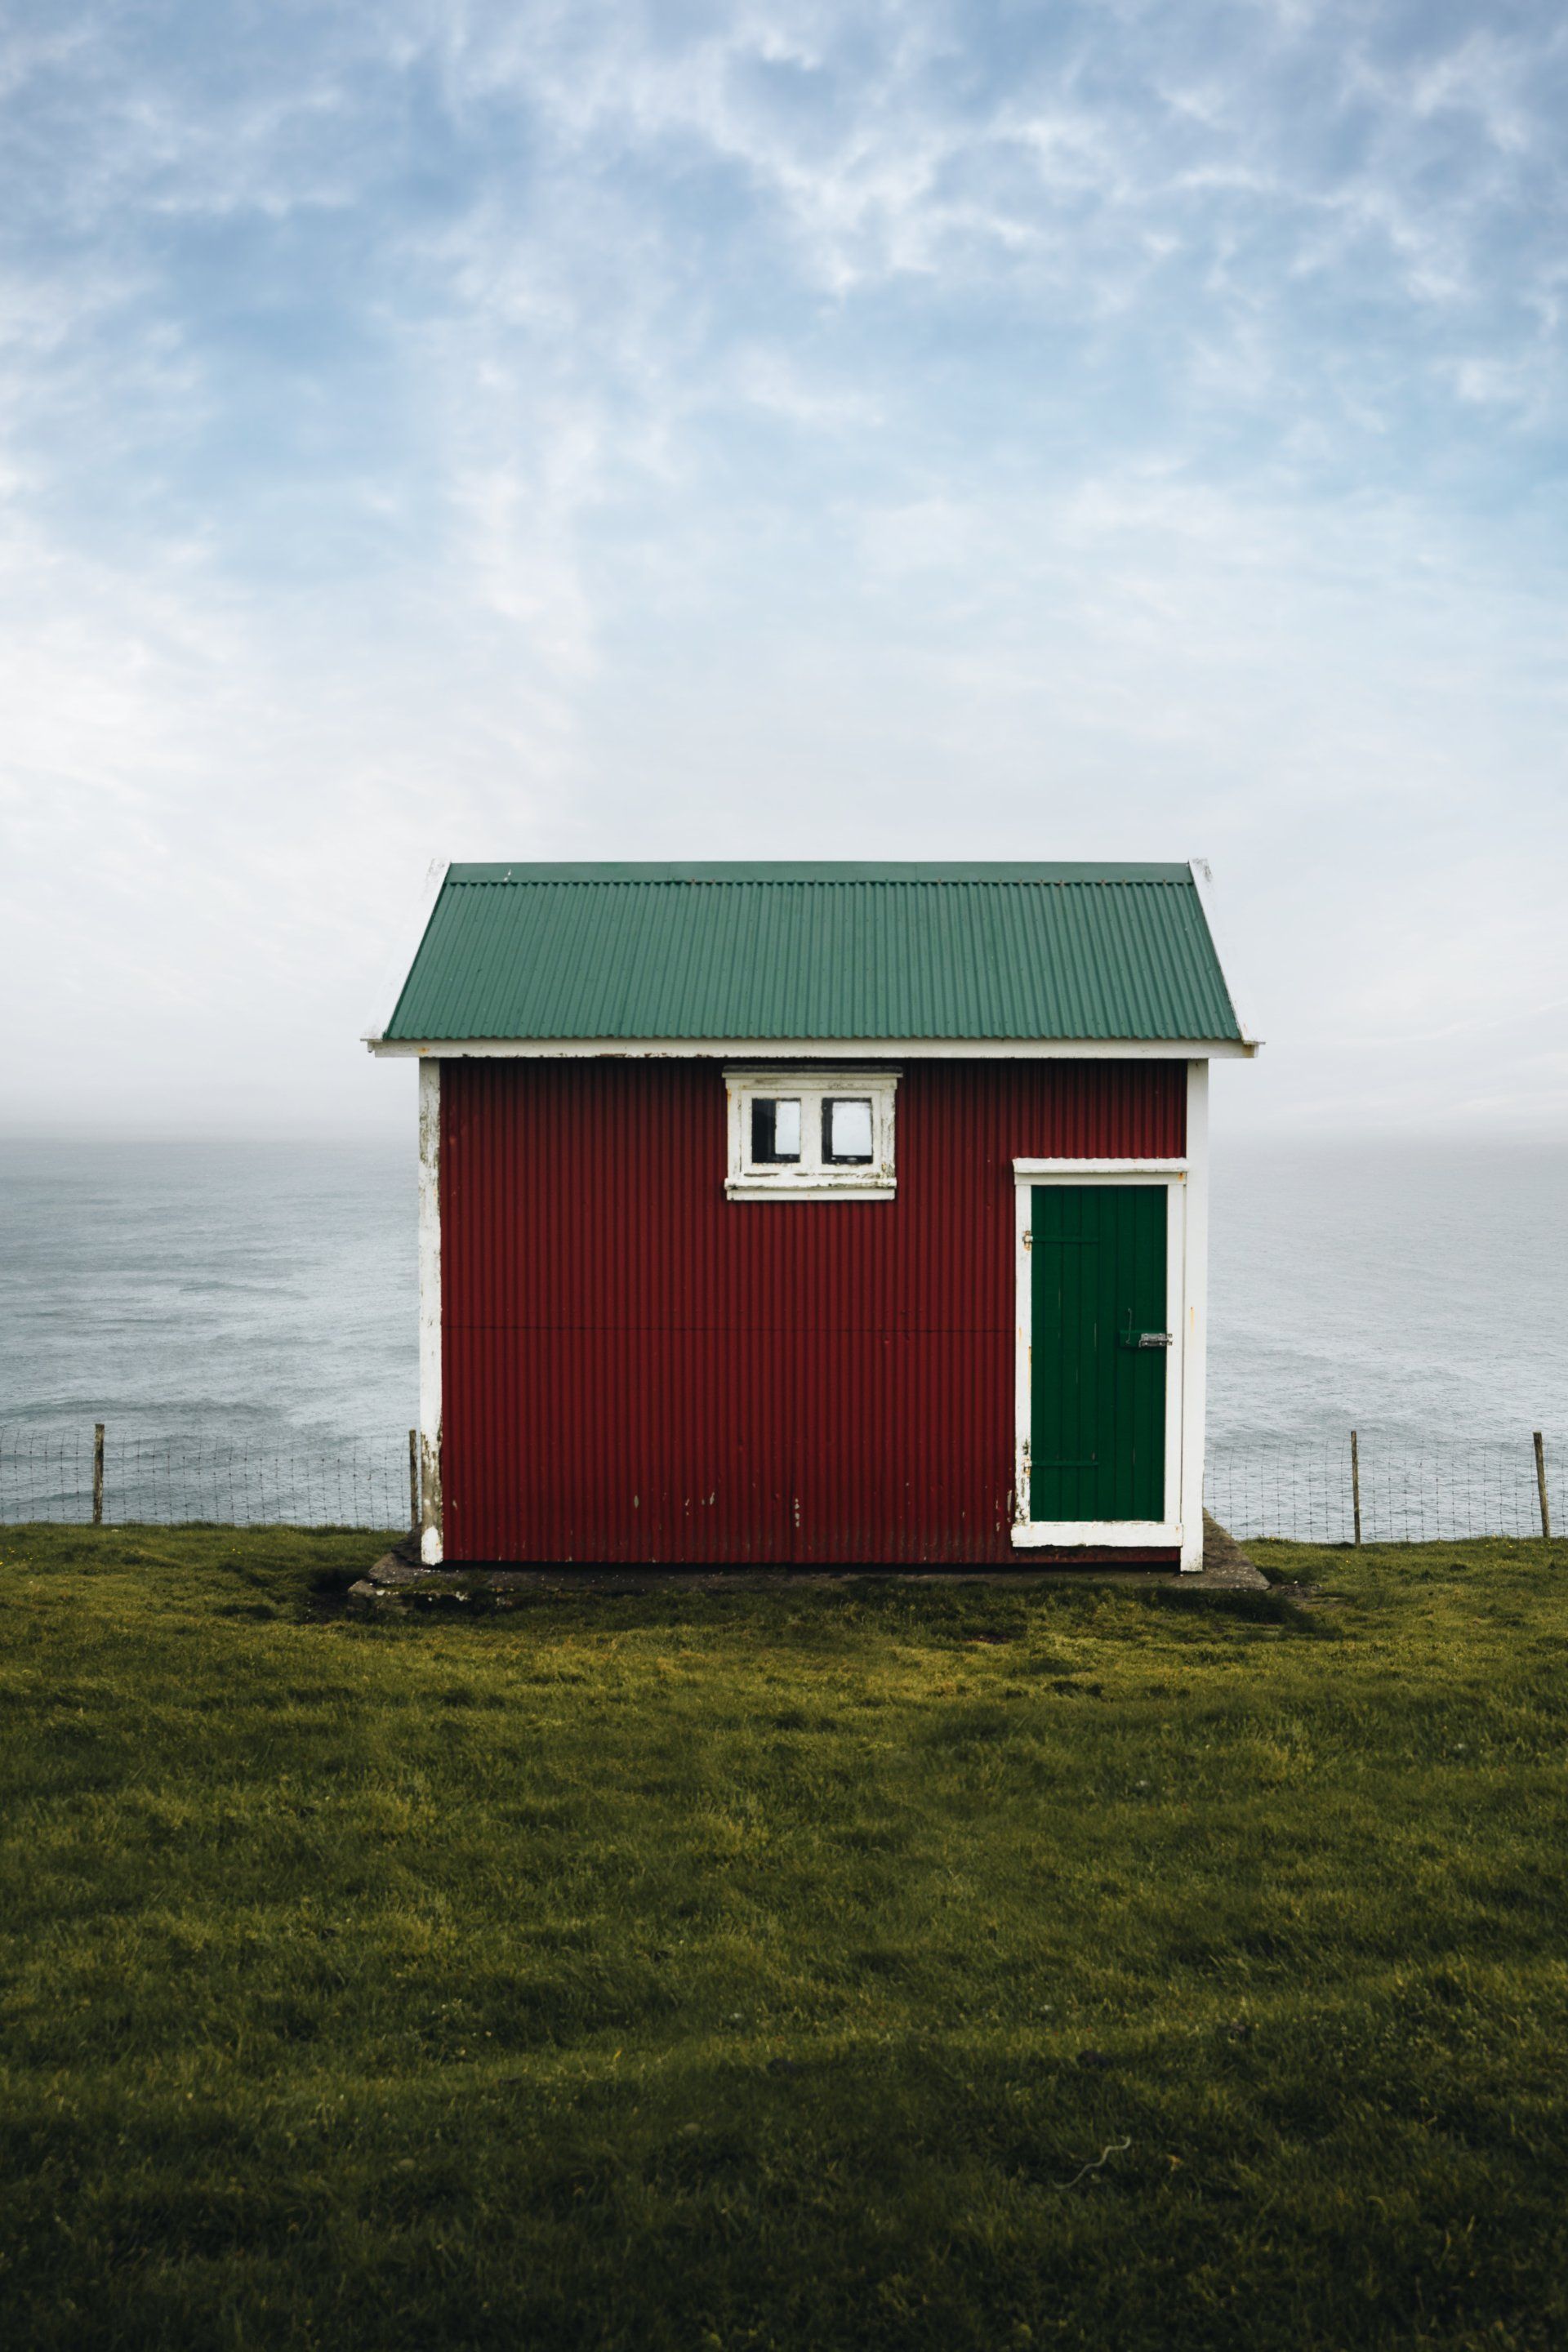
(1128,1337)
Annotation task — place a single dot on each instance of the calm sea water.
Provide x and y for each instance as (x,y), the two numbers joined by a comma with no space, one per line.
(259,1292)
(265,1293)
(1416,1292)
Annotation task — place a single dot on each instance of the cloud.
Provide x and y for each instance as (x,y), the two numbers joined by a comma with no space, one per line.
(858,430)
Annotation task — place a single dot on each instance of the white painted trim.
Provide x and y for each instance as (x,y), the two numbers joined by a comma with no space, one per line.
(817,1049)
(1203,883)
(1031,1534)
(410,938)
(430,1516)
(750,1189)
(1079,1169)
(1194,1377)
(1173,1530)
(1023,1331)
(810,1178)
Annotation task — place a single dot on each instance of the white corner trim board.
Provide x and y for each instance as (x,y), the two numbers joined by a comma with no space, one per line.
(430,1513)
(816,1049)
(1185,1182)
(1195,1335)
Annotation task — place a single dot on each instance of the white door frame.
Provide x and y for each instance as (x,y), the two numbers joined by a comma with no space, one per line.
(1186,1185)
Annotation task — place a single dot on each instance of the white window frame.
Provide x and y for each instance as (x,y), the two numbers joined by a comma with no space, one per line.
(1186,1185)
(809,1177)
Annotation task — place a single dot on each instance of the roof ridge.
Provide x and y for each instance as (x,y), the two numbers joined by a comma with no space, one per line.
(781,874)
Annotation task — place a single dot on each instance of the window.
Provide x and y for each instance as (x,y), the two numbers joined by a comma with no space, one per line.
(847,1130)
(814,1135)
(775,1130)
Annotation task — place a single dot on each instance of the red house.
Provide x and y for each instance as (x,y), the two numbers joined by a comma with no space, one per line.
(813,1213)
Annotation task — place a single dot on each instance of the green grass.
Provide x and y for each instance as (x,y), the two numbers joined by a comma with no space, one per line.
(763,1970)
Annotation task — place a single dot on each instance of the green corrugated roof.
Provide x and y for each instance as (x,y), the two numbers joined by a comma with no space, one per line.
(777,952)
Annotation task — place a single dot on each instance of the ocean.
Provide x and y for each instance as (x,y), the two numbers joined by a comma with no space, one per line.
(263,1294)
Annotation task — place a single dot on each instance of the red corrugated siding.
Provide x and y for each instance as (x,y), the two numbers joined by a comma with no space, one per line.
(637,1368)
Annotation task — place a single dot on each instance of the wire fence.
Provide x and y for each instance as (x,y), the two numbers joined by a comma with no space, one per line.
(86,1474)
(1339,1491)
(1363,1491)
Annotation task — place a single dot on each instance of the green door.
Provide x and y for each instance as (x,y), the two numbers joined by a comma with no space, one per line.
(1096,1352)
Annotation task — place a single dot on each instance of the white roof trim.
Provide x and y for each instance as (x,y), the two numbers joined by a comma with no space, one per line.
(773,1050)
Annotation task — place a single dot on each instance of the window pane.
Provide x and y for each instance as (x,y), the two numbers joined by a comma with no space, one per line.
(849,1129)
(775,1130)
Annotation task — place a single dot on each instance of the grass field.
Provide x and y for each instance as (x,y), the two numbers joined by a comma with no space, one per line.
(897,1967)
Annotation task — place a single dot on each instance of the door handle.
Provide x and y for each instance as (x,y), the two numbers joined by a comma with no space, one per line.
(1128,1337)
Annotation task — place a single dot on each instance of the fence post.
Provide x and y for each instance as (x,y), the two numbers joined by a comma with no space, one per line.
(1540,1487)
(98,1474)
(1355,1482)
(414,1483)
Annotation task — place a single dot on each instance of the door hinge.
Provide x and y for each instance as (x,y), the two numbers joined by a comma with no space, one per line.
(1028,1240)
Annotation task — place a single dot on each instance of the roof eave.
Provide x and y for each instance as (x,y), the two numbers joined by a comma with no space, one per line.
(1081,1049)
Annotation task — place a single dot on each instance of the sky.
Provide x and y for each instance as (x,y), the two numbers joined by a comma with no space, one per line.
(862,431)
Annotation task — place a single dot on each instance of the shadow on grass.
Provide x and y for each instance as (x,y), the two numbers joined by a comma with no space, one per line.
(1275,1607)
